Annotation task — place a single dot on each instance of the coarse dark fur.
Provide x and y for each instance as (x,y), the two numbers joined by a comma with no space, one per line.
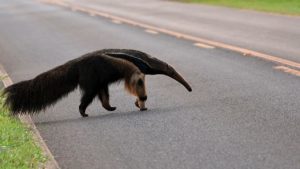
(148,64)
(92,72)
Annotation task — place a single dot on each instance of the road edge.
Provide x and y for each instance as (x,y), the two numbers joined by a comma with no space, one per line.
(51,163)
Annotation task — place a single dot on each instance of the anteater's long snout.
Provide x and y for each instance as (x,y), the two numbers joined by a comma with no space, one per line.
(171,72)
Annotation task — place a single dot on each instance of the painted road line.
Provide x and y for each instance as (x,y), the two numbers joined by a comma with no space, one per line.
(92,14)
(151,31)
(243,51)
(202,45)
(288,70)
(116,21)
(60,3)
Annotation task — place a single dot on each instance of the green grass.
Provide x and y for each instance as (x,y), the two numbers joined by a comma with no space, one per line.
(291,7)
(17,148)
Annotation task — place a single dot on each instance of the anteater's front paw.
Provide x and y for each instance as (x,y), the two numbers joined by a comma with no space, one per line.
(144,109)
(140,104)
(136,103)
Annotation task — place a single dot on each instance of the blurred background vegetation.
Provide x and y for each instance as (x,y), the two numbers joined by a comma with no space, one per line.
(290,7)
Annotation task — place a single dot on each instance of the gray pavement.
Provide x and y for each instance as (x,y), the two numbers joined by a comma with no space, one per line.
(241,114)
(268,33)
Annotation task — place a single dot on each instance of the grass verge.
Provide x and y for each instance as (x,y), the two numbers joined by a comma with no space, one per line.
(291,7)
(17,147)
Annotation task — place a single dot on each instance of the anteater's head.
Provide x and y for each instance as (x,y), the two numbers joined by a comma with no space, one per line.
(136,86)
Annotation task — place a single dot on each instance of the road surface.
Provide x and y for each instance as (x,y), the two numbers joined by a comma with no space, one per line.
(268,33)
(242,112)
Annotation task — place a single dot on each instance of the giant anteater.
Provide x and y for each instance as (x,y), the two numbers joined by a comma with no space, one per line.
(93,72)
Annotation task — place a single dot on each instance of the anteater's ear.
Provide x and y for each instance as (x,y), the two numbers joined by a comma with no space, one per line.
(140,82)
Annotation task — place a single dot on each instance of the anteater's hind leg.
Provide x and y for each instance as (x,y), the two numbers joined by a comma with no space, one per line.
(88,85)
(86,99)
(104,98)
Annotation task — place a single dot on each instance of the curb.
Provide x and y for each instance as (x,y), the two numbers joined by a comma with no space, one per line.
(51,163)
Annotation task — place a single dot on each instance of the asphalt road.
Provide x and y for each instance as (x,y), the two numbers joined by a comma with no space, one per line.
(242,113)
(268,33)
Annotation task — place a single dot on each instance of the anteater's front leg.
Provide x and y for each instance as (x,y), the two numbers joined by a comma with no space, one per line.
(140,103)
(104,98)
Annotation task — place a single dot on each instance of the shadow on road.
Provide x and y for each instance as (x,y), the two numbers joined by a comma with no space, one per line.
(114,115)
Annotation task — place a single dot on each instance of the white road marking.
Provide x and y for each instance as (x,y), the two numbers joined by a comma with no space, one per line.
(202,45)
(116,21)
(151,31)
(288,70)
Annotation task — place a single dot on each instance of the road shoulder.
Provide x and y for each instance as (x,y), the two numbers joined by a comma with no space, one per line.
(27,121)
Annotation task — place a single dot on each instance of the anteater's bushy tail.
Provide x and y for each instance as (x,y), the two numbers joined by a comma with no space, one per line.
(32,96)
